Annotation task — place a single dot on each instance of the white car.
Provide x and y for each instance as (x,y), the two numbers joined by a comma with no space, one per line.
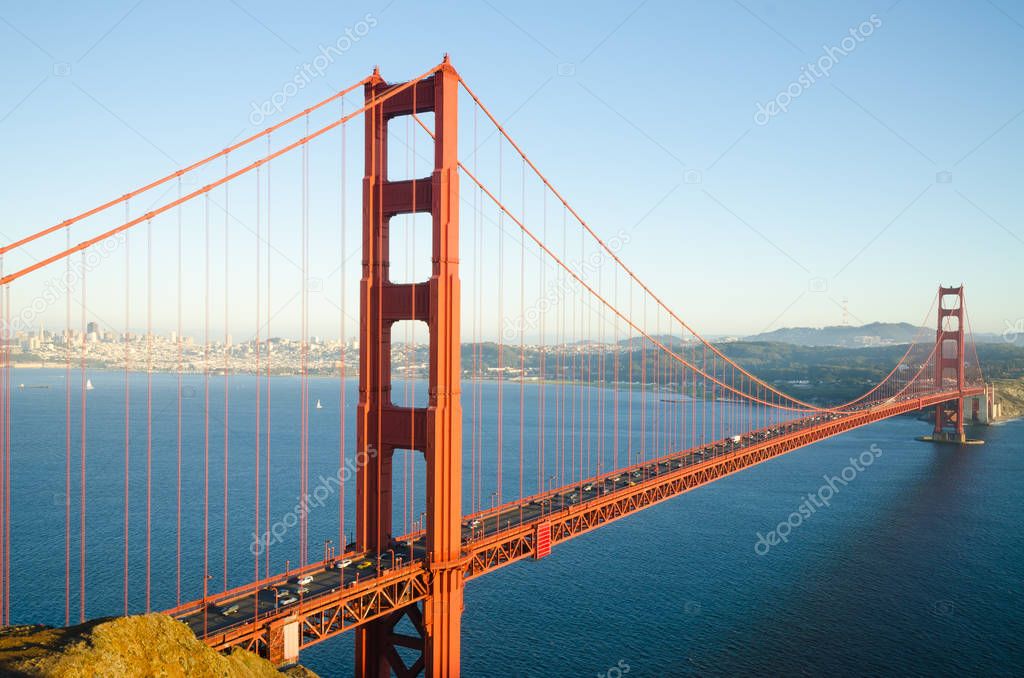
(302,581)
(343,563)
(289,600)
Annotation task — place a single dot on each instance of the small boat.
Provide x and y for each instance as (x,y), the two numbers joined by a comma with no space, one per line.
(88,385)
(318,405)
(21,385)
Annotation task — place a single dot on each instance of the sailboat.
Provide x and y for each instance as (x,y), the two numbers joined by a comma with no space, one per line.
(318,405)
(88,385)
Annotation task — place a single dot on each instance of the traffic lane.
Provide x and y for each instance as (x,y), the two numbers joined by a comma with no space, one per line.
(329,580)
(324,581)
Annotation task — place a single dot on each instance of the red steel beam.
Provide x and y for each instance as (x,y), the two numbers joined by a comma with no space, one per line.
(380,599)
(435,430)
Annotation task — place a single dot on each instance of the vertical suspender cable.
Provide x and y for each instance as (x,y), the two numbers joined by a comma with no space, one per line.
(501,314)
(67,440)
(479,270)
(127,393)
(522,337)
(542,358)
(629,414)
(149,412)
(81,455)
(304,427)
(206,408)
(615,377)
(180,385)
(227,353)
(260,542)
(266,446)
(474,304)
(342,541)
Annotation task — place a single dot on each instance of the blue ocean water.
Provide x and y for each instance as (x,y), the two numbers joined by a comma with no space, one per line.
(915,567)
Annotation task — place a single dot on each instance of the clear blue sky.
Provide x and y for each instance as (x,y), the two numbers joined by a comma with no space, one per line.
(643,113)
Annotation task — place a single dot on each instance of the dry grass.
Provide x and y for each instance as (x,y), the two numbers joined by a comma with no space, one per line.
(143,645)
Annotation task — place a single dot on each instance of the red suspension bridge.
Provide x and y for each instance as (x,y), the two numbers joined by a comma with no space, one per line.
(588,398)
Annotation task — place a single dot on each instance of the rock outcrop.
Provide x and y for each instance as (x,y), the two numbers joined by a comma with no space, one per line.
(142,645)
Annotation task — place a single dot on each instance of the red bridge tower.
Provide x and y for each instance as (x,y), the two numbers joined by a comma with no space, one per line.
(949,364)
(435,430)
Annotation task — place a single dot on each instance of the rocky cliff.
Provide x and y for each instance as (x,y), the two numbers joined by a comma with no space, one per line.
(143,645)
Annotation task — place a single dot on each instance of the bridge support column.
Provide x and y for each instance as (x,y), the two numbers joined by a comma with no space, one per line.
(283,641)
(949,364)
(435,430)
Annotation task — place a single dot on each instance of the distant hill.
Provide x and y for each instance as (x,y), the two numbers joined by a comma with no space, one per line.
(872,334)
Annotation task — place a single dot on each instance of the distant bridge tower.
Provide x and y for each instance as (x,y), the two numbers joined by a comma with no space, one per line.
(435,430)
(949,363)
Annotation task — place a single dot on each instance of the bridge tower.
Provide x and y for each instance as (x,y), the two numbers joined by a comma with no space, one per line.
(435,430)
(949,363)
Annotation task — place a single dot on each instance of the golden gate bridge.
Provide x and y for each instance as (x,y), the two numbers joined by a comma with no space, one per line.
(598,349)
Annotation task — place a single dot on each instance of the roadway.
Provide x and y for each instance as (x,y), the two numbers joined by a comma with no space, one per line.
(270,598)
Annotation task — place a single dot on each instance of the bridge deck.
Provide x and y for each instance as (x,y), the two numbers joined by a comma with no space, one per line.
(338,599)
